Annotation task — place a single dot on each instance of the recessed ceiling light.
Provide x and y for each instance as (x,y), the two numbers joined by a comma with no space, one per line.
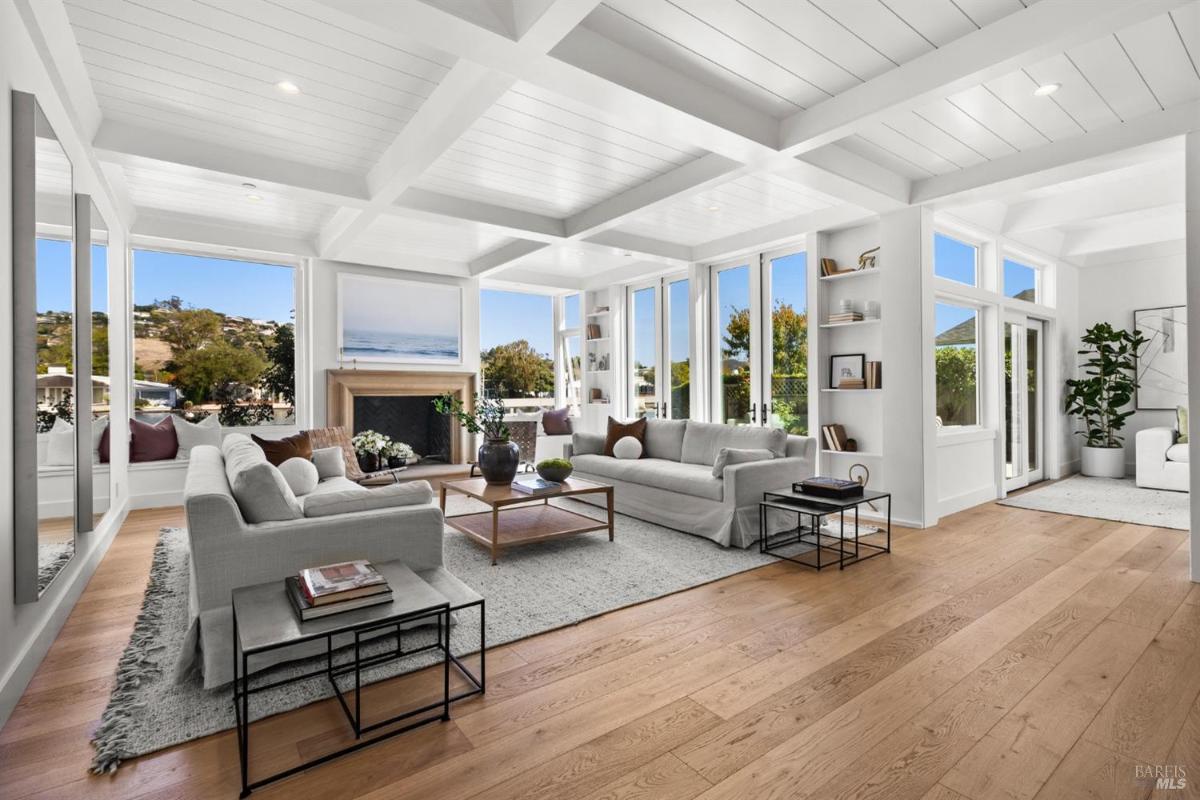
(254,198)
(714,208)
(287,87)
(1047,89)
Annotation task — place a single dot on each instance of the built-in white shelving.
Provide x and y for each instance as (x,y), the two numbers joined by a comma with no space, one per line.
(859,453)
(856,323)
(858,273)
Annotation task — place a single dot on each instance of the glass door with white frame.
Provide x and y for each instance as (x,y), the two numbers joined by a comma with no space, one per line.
(1023,400)
(736,301)
(785,341)
(659,344)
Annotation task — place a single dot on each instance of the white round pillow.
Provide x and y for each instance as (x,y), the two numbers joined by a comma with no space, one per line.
(627,447)
(300,474)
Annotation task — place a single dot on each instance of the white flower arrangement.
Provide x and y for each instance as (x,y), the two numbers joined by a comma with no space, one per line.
(370,442)
(397,450)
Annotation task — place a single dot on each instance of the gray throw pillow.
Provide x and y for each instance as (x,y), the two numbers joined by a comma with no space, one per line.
(193,434)
(328,504)
(728,456)
(60,444)
(258,486)
(300,474)
(330,462)
(587,444)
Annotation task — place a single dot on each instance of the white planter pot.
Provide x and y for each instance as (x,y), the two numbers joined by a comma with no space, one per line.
(1103,462)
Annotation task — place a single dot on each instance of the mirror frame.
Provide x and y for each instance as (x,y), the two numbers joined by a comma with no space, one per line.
(83,367)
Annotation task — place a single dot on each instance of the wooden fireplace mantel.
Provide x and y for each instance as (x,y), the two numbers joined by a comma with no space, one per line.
(343,385)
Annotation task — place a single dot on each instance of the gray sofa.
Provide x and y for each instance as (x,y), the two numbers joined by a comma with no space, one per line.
(227,551)
(673,483)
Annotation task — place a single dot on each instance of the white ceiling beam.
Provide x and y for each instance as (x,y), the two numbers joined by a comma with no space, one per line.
(514,222)
(191,230)
(1159,189)
(1176,249)
(836,171)
(133,145)
(538,281)
(779,233)
(503,255)
(1042,30)
(361,253)
(1153,135)
(667,252)
(115,176)
(1134,233)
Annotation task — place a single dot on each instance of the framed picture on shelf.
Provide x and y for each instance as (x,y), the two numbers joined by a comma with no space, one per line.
(847,371)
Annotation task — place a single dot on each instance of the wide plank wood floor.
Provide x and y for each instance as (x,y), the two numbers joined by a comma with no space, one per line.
(1004,654)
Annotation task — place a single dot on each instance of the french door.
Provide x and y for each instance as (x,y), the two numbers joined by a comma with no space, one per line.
(760,341)
(660,348)
(1024,379)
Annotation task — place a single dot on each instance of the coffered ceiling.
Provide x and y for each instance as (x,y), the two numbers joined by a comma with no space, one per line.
(509,139)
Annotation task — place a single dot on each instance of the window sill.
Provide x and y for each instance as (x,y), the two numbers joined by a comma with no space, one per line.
(965,435)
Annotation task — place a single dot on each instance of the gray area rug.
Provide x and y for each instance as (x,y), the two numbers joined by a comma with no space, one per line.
(535,588)
(1109,498)
(52,557)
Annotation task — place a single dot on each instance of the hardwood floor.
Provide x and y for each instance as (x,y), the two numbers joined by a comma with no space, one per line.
(1006,653)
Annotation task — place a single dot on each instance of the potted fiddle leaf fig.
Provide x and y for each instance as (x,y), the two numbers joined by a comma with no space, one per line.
(498,457)
(1101,398)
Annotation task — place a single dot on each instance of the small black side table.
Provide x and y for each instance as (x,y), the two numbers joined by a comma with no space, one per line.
(815,508)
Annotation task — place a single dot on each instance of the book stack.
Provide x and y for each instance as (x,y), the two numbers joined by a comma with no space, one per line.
(844,317)
(593,331)
(534,484)
(334,588)
(852,383)
(835,437)
(830,267)
(874,376)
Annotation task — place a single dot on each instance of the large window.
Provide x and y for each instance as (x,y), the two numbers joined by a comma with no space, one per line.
(213,336)
(570,374)
(956,347)
(1021,281)
(955,260)
(516,340)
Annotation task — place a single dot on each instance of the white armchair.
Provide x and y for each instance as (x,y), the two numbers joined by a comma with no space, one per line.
(1162,463)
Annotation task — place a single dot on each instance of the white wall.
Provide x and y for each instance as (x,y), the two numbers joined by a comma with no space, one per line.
(28,630)
(1110,293)
(321,338)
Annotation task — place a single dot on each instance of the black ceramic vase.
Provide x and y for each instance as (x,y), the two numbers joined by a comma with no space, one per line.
(498,461)
(368,462)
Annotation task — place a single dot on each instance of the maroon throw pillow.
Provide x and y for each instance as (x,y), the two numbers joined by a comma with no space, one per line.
(152,442)
(556,422)
(619,430)
(102,448)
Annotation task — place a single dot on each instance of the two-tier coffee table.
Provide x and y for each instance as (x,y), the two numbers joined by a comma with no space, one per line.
(516,518)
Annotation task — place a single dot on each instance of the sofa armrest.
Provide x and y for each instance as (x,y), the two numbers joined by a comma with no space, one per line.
(1151,446)
(257,553)
(586,444)
(745,483)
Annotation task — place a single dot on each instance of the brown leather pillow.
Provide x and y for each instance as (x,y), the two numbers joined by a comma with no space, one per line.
(619,430)
(557,422)
(152,442)
(280,450)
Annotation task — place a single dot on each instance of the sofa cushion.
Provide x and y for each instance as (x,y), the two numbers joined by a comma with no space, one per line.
(586,444)
(1178,452)
(60,444)
(619,430)
(258,486)
(300,474)
(664,438)
(557,422)
(152,442)
(191,434)
(280,450)
(330,462)
(691,479)
(358,498)
(702,441)
(732,455)
(627,448)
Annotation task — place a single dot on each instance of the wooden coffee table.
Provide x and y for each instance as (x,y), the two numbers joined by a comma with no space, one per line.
(525,518)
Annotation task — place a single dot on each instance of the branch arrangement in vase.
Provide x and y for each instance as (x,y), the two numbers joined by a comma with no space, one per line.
(486,419)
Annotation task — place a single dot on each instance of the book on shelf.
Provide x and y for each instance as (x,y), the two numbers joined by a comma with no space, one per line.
(874,375)
(593,331)
(306,610)
(849,316)
(335,583)
(835,436)
(534,484)
(852,383)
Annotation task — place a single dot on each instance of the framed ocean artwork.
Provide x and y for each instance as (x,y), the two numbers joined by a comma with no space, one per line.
(399,321)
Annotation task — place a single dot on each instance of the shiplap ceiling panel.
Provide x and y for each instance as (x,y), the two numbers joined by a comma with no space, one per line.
(1115,78)
(939,22)
(528,146)
(448,240)
(1016,91)
(985,12)
(868,149)
(1157,49)
(1078,96)
(574,262)
(1186,21)
(889,138)
(740,205)
(962,126)
(921,130)
(172,190)
(817,30)
(878,26)
(214,65)
(998,117)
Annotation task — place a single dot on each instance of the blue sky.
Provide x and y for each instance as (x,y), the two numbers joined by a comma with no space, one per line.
(953,259)
(257,291)
(1018,277)
(508,316)
(54,276)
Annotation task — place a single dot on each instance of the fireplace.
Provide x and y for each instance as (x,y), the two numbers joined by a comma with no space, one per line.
(409,419)
(399,403)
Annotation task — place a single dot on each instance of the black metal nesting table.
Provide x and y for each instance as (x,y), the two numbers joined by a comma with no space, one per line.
(264,620)
(814,509)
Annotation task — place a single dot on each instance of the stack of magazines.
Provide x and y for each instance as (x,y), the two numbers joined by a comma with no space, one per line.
(334,588)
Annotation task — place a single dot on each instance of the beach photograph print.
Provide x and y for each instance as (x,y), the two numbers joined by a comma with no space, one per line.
(399,321)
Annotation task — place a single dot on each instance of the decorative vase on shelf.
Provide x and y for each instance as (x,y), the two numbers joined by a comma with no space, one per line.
(498,461)
(395,462)
(368,462)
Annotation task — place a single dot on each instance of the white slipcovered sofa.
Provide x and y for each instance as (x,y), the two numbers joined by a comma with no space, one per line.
(337,521)
(1162,462)
(673,484)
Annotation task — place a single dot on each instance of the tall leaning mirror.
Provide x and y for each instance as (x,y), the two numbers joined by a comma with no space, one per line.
(45,451)
(99,451)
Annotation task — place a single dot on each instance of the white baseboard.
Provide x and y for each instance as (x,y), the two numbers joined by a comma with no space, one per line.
(62,597)
(163,499)
(965,500)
